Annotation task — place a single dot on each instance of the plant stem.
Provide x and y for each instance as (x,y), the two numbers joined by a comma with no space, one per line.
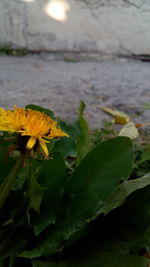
(8,182)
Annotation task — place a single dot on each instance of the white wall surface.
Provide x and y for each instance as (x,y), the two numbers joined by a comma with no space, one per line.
(105,26)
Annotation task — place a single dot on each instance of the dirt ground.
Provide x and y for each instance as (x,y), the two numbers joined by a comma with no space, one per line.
(59,85)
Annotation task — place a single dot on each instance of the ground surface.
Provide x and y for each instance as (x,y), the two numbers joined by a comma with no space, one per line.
(60,85)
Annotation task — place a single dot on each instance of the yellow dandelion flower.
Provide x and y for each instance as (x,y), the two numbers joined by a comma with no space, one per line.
(27,122)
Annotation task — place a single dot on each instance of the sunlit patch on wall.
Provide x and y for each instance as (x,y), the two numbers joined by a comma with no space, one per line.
(57,9)
(28,1)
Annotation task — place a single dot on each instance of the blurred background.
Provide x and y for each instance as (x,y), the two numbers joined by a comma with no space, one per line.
(55,53)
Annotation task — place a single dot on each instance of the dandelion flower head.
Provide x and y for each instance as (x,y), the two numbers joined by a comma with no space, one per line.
(28,122)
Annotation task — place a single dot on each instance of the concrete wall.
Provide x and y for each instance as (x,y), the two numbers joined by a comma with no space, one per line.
(105,26)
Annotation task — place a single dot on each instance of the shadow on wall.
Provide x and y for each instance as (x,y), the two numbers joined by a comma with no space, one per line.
(55,9)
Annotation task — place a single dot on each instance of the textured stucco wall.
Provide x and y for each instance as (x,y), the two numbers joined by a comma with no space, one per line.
(105,26)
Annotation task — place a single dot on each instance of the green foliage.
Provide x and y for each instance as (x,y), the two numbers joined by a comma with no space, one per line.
(87,189)
(87,204)
(113,240)
(71,59)
(124,261)
(10,51)
(84,143)
(122,191)
(8,183)
(35,192)
(104,167)
(6,163)
(106,132)
(52,176)
(38,108)
(67,146)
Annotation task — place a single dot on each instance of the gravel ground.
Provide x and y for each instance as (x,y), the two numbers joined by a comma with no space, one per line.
(60,85)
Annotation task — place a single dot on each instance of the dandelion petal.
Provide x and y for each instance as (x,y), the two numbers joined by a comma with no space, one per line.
(44,147)
(31,142)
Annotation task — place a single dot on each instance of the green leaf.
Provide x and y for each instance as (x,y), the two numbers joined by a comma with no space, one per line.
(7,184)
(67,146)
(145,156)
(84,143)
(122,191)
(12,260)
(41,109)
(35,193)
(82,108)
(103,168)
(22,176)
(52,175)
(6,162)
(109,260)
(13,240)
(92,182)
(115,240)
(13,210)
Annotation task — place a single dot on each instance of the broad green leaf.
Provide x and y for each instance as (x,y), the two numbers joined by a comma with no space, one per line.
(122,191)
(52,176)
(103,168)
(84,143)
(129,130)
(67,146)
(41,109)
(115,240)
(92,182)
(137,206)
